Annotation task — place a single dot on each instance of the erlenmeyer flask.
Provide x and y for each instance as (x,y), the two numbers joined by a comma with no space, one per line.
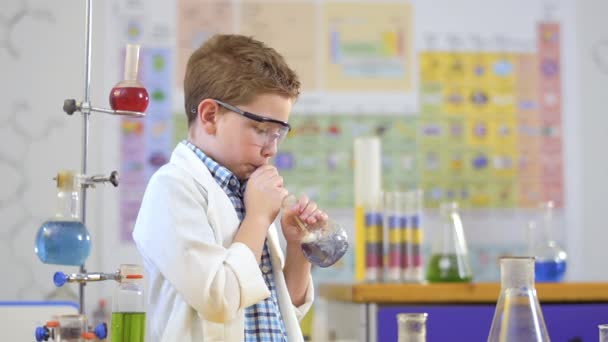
(449,260)
(412,327)
(550,264)
(518,316)
(323,244)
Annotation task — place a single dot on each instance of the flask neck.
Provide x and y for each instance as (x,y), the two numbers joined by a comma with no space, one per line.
(517,272)
(68,205)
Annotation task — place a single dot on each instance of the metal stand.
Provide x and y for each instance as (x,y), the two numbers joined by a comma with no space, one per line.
(70,106)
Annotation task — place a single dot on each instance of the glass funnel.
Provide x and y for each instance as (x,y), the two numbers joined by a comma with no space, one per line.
(551,258)
(322,244)
(518,316)
(449,260)
(412,327)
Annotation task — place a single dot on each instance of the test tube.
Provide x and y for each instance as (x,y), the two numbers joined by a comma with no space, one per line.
(403,213)
(392,237)
(373,244)
(416,270)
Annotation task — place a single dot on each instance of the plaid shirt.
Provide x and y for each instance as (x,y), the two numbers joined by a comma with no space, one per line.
(263,321)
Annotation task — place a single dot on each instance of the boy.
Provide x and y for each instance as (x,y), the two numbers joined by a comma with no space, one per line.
(211,253)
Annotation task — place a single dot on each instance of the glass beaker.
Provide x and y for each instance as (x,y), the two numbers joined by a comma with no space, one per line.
(128,306)
(129,94)
(603,328)
(64,239)
(551,258)
(71,328)
(449,260)
(518,316)
(412,327)
(322,244)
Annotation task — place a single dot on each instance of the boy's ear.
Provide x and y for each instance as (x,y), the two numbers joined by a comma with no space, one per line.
(208,111)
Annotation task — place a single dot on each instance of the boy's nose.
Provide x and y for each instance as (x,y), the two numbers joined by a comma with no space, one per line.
(270,149)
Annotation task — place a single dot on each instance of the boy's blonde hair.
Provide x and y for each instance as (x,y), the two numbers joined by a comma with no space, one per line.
(235,69)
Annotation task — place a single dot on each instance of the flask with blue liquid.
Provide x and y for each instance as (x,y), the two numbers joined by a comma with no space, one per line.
(550,257)
(64,239)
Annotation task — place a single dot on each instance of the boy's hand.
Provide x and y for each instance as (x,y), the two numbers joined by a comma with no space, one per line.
(264,193)
(308,212)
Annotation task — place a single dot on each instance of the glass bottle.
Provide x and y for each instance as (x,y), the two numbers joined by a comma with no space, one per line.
(128,306)
(412,327)
(71,328)
(129,94)
(551,258)
(518,316)
(323,244)
(64,240)
(449,260)
(603,329)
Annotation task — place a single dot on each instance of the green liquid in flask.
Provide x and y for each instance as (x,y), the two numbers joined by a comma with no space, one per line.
(446,268)
(128,326)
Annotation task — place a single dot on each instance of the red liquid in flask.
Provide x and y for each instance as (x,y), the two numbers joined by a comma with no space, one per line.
(133,99)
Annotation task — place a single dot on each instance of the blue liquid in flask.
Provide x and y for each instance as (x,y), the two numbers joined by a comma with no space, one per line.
(549,270)
(63,243)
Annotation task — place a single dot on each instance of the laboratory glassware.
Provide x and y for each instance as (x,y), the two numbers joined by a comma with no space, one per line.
(128,306)
(129,94)
(449,260)
(603,329)
(414,201)
(551,258)
(518,316)
(412,327)
(64,239)
(323,244)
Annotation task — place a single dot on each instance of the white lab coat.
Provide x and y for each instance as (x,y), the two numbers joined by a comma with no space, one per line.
(199,280)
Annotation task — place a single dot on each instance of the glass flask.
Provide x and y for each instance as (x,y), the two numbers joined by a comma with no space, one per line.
(323,244)
(412,327)
(603,328)
(63,239)
(551,258)
(449,261)
(71,328)
(518,316)
(129,94)
(128,306)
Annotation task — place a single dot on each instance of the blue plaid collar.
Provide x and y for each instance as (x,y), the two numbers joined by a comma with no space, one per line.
(224,177)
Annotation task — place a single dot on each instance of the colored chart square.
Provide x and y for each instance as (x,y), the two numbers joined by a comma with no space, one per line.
(455,68)
(553,191)
(479,101)
(430,163)
(502,70)
(455,100)
(528,165)
(457,191)
(431,132)
(454,162)
(481,194)
(478,132)
(455,132)
(504,163)
(434,193)
(479,70)
(478,164)
(529,193)
(504,132)
(505,195)
(430,67)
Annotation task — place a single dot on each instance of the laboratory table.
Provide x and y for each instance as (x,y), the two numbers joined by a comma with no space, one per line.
(458,312)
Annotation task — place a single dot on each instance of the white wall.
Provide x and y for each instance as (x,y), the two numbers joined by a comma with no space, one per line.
(592,115)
